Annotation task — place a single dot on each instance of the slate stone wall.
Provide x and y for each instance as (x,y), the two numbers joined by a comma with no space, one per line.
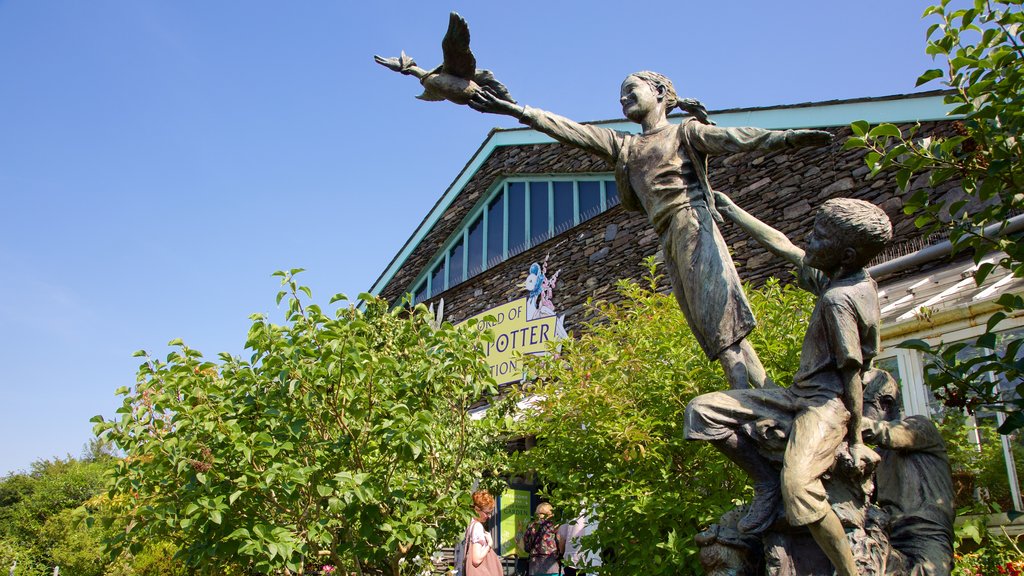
(782,188)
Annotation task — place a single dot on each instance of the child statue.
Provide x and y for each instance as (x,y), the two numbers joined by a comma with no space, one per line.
(825,400)
(663,172)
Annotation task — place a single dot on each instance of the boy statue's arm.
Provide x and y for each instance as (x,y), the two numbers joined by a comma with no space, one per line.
(862,457)
(774,241)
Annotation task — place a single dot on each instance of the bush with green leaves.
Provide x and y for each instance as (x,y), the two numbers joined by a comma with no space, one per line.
(977,550)
(977,461)
(343,439)
(38,517)
(982,50)
(608,420)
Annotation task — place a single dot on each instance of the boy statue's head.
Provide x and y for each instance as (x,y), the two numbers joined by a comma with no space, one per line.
(849,233)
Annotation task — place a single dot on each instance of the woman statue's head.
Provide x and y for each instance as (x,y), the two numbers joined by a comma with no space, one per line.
(645,92)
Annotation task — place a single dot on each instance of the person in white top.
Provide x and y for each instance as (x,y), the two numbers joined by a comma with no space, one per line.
(479,538)
(574,558)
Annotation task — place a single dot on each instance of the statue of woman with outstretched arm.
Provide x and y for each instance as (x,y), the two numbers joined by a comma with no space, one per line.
(663,172)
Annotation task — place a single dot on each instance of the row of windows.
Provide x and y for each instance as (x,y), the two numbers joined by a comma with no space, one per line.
(520,213)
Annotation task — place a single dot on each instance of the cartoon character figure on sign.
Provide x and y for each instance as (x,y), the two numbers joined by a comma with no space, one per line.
(540,290)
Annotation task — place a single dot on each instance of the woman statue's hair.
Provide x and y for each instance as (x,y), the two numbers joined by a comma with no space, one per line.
(672,101)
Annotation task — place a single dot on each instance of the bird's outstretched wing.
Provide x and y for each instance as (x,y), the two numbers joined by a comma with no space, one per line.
(458,59)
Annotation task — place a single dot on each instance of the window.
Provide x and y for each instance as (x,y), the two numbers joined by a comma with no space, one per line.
(476,248)
(420,294)
(564,206)
(517,215)
(456,264)
(437,279)
(496,230)
(612,193)
(539,224)
(590,199)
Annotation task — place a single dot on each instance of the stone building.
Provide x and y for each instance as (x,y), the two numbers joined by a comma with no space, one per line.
(523,198)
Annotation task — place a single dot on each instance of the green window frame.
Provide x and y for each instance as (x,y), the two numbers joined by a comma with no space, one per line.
(429,284)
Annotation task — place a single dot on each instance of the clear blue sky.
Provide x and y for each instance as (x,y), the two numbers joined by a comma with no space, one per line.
(159,159)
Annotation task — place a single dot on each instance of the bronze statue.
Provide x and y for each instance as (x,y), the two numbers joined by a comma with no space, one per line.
(457,78)
(825,401)
(662,171)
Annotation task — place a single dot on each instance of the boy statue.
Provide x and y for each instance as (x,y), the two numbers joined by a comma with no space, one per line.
(825,400)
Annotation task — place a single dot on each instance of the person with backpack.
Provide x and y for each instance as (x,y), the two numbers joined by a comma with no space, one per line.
(541,543)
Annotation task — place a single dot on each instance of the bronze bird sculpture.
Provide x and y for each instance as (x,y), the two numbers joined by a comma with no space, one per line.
(457,78)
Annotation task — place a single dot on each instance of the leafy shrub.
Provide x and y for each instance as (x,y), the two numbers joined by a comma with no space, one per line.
(609,423)
(343,439)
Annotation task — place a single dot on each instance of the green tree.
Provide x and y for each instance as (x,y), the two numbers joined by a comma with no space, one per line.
(609,423)
(342,440)
(41,512)
(981,49)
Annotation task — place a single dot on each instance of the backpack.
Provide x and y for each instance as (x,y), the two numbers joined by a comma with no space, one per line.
(541,539)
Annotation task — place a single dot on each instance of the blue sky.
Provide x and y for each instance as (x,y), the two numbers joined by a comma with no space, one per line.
(159,159)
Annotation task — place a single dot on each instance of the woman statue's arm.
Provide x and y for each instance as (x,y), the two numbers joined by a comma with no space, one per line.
(717,140)
(599,141)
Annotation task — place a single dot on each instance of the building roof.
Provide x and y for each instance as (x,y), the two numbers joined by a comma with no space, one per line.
(928,295)
(896,108)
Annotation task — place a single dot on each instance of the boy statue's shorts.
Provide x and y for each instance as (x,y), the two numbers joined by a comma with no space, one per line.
(817,427)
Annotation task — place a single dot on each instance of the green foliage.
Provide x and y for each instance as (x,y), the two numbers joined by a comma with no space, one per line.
(157,558)
(977,461)
(37,509)
(609,423)
(980,551)
(20,555)
(984,67)
(341,438)
(43,523)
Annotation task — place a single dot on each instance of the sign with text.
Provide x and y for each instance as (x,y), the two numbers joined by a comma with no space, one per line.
(515,514)
(523,326)
(514,332)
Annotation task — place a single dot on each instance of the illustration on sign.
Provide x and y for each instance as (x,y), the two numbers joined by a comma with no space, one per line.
(541,290)
(523,326)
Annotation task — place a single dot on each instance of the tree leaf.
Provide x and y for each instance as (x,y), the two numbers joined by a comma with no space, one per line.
(1013,422)
(915,344)
(885,130)
(993,320)
(929,76)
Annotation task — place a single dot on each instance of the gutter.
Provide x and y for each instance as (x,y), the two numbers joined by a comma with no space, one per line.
(974,315)
(940,250)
